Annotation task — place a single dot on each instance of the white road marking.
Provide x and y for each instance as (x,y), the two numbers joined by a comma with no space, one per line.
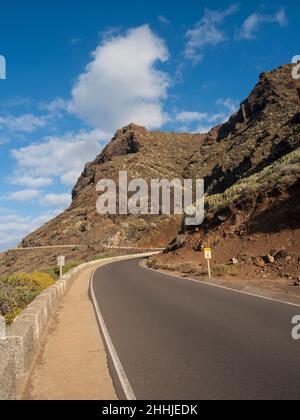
(118,365)
(222,287)
(129,393)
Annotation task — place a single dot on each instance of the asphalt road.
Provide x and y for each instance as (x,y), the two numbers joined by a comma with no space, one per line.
(179,339)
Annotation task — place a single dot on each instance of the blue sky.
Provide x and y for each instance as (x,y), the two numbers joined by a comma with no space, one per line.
(77,71)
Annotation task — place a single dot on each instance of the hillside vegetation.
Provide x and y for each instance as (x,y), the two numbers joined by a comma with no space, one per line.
(17,291)
(282,173)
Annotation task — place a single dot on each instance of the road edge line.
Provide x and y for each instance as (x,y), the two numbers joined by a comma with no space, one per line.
(130,396)
(222,287)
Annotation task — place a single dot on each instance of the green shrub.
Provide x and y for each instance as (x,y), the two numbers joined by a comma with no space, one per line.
(188,268)
(54,271)
(39,280)
(18,291)
(9,318)
(223,270)
(285,171)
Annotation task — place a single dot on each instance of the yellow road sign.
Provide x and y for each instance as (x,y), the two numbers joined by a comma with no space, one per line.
(207,253)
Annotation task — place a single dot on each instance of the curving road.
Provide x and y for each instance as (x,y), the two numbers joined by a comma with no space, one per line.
(179,339)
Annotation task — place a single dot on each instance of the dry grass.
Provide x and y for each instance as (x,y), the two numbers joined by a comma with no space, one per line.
(191,268)
(186,267)
(224,270)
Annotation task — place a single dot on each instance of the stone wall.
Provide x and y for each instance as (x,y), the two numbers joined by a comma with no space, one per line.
(20,342)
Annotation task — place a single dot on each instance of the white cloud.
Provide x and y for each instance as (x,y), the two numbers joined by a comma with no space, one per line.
(253,23)
(228,107)
(54,106)
(75,41)
(121,85)
(56,200)
(14,227)
(231,105)
(59,156)
(31,182)
(16,102)
(203,129)
(163,20)
(26,123)
(71,176)
(206,32)
(22,195)
(208,120)
(3,140)
(187,116)
(281,17)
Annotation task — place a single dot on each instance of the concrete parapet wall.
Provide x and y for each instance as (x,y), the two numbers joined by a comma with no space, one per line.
(20,342)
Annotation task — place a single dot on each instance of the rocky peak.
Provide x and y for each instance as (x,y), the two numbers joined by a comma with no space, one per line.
(276,96)
(130,129)
(126,141)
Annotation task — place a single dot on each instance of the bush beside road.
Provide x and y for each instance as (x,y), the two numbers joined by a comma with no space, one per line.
(18,291)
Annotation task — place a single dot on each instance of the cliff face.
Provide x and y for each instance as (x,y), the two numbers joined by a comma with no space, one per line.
(142,154)
(251,165)
(264,130)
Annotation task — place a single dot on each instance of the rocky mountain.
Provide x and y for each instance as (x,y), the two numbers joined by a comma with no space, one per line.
(142,154)
(250,165)
(265,128)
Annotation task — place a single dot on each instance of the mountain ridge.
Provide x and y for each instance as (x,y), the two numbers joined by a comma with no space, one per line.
(264,129)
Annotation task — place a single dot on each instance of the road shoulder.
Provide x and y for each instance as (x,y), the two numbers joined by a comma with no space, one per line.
(72,364)
(239,287)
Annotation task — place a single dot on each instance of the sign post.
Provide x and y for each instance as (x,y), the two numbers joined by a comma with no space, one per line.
(61,263)
(208,256)
(2,328)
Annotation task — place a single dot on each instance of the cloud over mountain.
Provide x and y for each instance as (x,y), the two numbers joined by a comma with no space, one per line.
(122,84)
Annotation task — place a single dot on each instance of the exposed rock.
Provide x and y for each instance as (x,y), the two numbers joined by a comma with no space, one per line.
(281,255)
(177,244)
(259,262)
(275,252)
(244,146)
(269,259)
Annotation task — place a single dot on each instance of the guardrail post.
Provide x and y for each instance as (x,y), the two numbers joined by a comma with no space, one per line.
(2,328)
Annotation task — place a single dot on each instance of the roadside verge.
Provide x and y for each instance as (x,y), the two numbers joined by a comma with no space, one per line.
(21,344)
